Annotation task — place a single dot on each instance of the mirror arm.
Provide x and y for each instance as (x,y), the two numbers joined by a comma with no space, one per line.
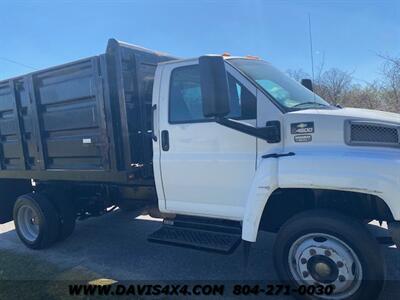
(258,132)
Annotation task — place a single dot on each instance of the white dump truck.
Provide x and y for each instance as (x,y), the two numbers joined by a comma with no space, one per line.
(220,147)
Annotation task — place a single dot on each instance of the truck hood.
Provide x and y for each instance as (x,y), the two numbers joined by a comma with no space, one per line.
(327,127)
(352,113)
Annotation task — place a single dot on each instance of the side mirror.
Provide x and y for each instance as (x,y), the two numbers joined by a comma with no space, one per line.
(308,84)
(214,86)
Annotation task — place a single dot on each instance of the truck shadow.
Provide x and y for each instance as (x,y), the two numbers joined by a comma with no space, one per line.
(116,247)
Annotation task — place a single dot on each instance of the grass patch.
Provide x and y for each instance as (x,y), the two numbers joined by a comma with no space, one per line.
(26,277)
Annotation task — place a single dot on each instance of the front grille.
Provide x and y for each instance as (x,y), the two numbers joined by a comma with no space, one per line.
(373,134)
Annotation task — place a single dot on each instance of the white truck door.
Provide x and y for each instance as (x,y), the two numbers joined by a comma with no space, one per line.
(206,168)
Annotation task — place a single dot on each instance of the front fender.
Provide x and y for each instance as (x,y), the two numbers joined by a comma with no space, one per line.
(350,170)
(265,182)
(362,171)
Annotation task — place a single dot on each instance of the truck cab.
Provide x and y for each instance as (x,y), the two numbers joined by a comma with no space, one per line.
(236,139)
(317,145)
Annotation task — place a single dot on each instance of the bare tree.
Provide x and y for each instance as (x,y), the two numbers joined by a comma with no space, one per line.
(334,85)
(391,82)
(367,96)
(298,74)
(337,86)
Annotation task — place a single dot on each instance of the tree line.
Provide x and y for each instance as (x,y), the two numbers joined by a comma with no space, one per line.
(338,86)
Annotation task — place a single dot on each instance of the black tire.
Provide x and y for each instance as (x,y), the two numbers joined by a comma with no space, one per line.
(341,227)
(66,212)
(48,225)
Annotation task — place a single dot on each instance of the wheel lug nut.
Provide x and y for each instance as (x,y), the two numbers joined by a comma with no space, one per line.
(303,261)
(342,278)
(313,252)
(305,274)
(339,264)
(328,253)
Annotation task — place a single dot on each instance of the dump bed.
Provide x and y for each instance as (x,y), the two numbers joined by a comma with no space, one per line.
(88,120)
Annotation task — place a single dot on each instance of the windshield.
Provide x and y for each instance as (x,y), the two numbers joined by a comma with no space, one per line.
(286,91)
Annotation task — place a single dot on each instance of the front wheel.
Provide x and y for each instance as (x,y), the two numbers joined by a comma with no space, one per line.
(329,249)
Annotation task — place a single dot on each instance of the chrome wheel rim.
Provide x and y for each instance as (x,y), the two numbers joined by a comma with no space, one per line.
(28,223)
(323,259)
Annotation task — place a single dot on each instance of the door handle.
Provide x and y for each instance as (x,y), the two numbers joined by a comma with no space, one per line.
(153,135)
(165,140)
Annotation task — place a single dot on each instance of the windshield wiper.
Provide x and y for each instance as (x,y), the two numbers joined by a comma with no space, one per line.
(309,103)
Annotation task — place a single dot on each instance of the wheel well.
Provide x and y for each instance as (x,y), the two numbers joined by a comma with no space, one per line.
(284,203)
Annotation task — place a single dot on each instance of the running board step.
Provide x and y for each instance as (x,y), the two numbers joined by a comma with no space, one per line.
(198,238)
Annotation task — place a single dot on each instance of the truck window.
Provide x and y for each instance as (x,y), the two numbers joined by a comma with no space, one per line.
(288,93)
(185,102)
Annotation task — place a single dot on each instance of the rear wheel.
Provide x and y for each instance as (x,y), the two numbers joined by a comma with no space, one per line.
(36,221)
(329,249)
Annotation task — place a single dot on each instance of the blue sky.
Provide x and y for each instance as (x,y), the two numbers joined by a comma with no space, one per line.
(349,34)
